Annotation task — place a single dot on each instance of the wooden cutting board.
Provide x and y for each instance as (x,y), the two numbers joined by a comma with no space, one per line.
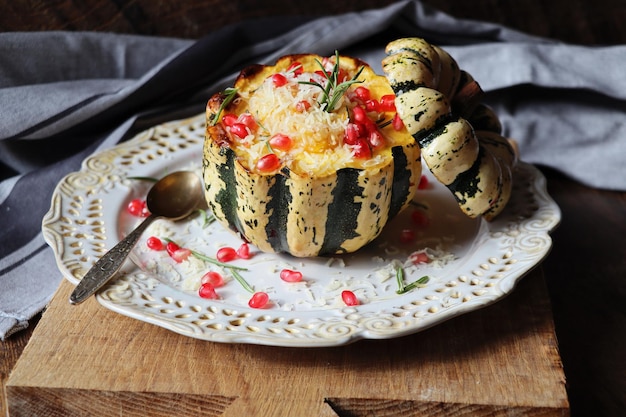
(501,360)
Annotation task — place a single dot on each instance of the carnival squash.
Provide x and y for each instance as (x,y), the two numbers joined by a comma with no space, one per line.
(460,138)
(307,156)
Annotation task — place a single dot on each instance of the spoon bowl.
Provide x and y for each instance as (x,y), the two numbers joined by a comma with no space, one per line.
(175,196)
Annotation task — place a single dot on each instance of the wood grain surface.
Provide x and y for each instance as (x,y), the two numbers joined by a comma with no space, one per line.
(498,361)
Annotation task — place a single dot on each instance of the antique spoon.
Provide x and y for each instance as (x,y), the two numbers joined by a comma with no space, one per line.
(174,196)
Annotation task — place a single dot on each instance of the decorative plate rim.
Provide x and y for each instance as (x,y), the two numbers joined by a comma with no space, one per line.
(78,229)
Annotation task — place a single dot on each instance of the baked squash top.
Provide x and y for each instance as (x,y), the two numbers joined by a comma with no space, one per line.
(312,115)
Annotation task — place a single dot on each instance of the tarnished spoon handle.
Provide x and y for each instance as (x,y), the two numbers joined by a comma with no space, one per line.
(104,269)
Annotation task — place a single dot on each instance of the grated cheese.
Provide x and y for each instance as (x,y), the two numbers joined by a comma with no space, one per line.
(317,135)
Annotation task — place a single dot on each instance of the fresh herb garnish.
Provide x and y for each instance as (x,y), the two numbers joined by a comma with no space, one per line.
(151,179)
(207,218)
(332,93)
(402,288)
(229,95)
(234,270)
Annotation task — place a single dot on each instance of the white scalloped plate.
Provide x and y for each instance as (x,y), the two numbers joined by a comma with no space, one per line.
(484,260)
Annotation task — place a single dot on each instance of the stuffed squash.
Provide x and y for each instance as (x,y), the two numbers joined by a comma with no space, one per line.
(308,156)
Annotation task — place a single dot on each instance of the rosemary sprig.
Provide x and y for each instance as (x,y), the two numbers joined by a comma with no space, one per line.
(402,288)
(207,218)
(233,268)
(150,179)
(229,95)
(333,91)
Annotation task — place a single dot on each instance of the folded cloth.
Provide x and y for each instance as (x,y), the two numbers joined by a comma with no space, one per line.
(66,95)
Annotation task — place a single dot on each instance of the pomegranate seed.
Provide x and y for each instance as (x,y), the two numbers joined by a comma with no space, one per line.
(239,129)
(268,163)
(247,120)
(419,218)
(397,123)
(363,93)
(289,275)
(349,298)
(359,115)
(214,278)
(407,236)
(372,105)
(342,75)
(229,119)
(302,106)
(226,254)
(138,207)
(352,134)
(376,139)
(279,80)
(171,247)
(387,103)
(296,68)
(423,184)
(154,243)
(361,149)
(281,142)
(244,251)
(259,300)
(208,291)
(181,255)
(419,258)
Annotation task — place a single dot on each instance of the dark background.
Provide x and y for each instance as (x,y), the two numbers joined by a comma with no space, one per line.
(574,21)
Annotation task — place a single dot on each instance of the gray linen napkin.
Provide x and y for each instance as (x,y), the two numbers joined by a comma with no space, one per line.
(65,95)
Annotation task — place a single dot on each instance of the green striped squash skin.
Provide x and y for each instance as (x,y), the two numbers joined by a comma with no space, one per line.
(306,216)
(460,139)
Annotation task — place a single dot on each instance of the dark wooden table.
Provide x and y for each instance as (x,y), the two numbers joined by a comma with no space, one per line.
(586,270)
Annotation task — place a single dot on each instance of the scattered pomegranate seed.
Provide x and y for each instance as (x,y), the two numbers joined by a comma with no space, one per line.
(302,106)
(279,80)
(352,134)
(244,251)
(387,103)
(349,298)
(229,119)
(362,93)
(180,255)
(289,275)
(208,291)
(423,184)
(407,236)
(361,149)
(420,218)
(259,300)
(155,243)
(376,139)
(138,207)
(296,68)
(239,129)
(397,123)
(359,115)
(268,163)
(248,120)
(214,278)
(372,105)
(419,258)
(226,254)
(171,247)
(342,75)
(281,142)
